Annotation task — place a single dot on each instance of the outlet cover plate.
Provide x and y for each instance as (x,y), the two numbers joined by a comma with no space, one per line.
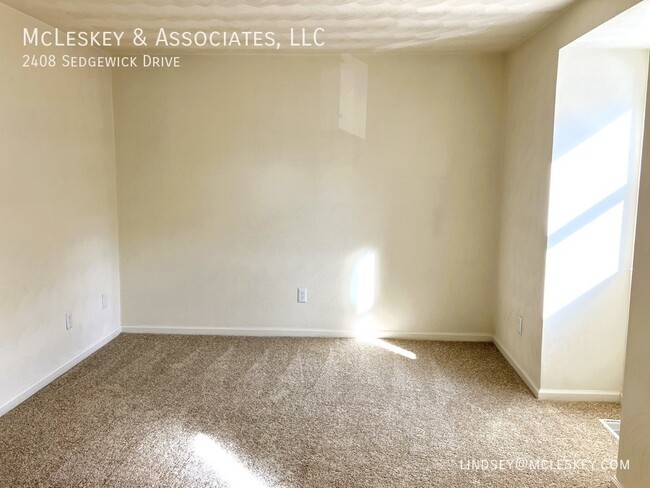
(302,295)
(68,321)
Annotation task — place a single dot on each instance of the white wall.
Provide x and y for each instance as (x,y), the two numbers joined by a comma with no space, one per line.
(599,112)
(531,75)
(58,244)
(634,443)
(236,186)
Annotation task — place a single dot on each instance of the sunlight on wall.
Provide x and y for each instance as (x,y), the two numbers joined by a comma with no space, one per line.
(226,465)
(586,211)
(602,160)
(366,327)
(364,278)
(583,260)
(363,295)
(353,96)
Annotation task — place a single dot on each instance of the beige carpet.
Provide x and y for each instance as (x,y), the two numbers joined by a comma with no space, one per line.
(193,411)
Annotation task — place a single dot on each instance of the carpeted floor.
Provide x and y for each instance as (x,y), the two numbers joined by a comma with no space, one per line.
(193,411)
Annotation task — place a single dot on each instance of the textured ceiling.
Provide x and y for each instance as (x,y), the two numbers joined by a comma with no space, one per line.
(349,25)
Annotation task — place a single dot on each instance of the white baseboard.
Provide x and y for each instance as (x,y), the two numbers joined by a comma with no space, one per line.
(548,394)
(520,371)
(268,332)
(615,483)
(47,379)
(611,396)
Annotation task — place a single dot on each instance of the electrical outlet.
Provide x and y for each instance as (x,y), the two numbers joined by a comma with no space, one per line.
(302,295)
(520,325)
(68,321)
(104,301)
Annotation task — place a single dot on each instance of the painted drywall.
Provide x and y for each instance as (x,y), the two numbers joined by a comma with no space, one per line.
(634,442)
(531,76)
(372,182)
(58,212)
(599,112)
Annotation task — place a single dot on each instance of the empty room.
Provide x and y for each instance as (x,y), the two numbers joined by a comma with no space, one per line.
(304,244)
